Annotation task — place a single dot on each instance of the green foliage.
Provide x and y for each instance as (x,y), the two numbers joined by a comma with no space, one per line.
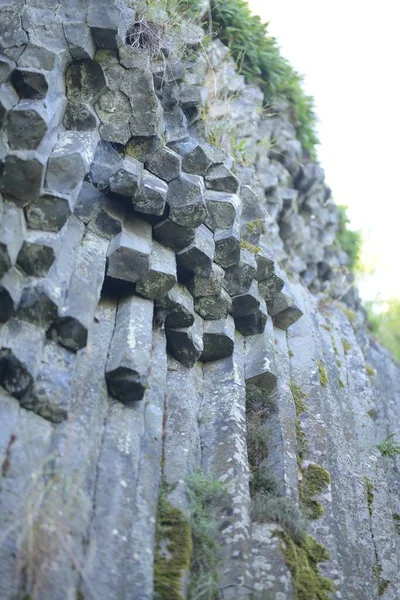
(302,560)
(386,325)
(204,495)
(259,59)
(369,487)
(349,240)
(323,374)
(389,447)
(173,550)
(382,583)
(298,396)
(188,9)
(250,247)
(346,346)
(315,480)
(281,510)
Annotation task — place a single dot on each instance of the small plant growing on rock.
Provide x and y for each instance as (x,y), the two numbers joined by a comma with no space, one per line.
(323,374)
(389,447)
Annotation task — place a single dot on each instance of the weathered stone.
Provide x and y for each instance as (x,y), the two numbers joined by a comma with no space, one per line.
(260,370)
(284,309)
(129,355)
(161,276)
(37,57)
(151,196)
(190,96)
(254,323)
(186,344)
(134,58)
(77,313)
(30,83)
(38,252)
(227,245)
(50,395)
(222,209)
(26,125)
(41,300)
(176,310)
(142,148)
(88,203)
(50,211)
(270,287)
(6,68)
(238,277)
(10,293)
(173,235)
(80,116)
(20,355)
(207,286)
(70,160)
(246,303)
(215,307)
(109,217)
(8,99)
(22,177)
(85,81)
(114,111)
(166,164)
(220,178)
(195,159)
(12,231)
(79,40)
(106,25)
(265,260)
(146,119)
(218,339)
(106,161)
(186,200)
(128,179)
(129,252)
(175,124)
(198,257)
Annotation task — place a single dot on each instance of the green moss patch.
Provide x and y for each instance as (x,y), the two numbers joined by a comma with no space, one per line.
(346,346)
(369,487)
(382,583)
(315,480)
(173,550)
(323,374)
(302,560)
(250,247)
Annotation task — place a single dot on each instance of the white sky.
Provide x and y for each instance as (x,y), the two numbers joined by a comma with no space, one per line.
(349,52)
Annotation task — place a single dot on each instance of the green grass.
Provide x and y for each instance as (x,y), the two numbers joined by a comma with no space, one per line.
(350,241)
(389,447)
(258,58)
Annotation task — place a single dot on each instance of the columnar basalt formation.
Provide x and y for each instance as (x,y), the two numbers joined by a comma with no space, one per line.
(164,308)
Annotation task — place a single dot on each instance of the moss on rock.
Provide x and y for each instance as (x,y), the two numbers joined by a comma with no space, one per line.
(323,374)
(315,480)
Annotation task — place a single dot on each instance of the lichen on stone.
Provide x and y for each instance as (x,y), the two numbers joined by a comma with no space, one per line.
(370,494)
(315,479)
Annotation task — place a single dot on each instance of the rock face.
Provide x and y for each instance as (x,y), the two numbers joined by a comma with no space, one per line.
(164,309)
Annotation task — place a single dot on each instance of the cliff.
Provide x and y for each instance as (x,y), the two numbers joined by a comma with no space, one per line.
(190,402)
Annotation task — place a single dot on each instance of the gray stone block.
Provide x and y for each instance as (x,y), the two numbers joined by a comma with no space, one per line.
(85,81)
(284,309)
(186,200)
(8,99)
(176,310)
(6,68)
(31,84)
(22,177)
(37,57)
(42,300)
(195,158)
(106,23)
(129,252)
(214,307)
(175,124)
(218,339)
(152,195)
(246,303)
(207,286)
(254,323)
(20,354)
(238,277)
(142,148)
(50,395)
(77,313)
(106,161)
(161,276)
(114,111)
(165,164)
(70,160)
(171,234)
(88,202)
(220,178)
(270,287)
(227,245)
(265,263)
(260,370)
(109,217)
(128,179)
(190,96)
(80,116)
(38,253)
(12,231)
(10,293)
(198,257)
(129,355)
(26,125)
(222,209)
(134,58)
(79,40)
(186,344)
(50,211)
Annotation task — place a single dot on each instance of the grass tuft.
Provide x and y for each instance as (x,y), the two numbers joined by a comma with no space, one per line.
(323,374)
(389,447)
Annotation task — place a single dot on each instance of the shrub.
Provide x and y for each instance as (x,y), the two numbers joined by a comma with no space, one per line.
(350,241)
(259,59)
(385,325)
